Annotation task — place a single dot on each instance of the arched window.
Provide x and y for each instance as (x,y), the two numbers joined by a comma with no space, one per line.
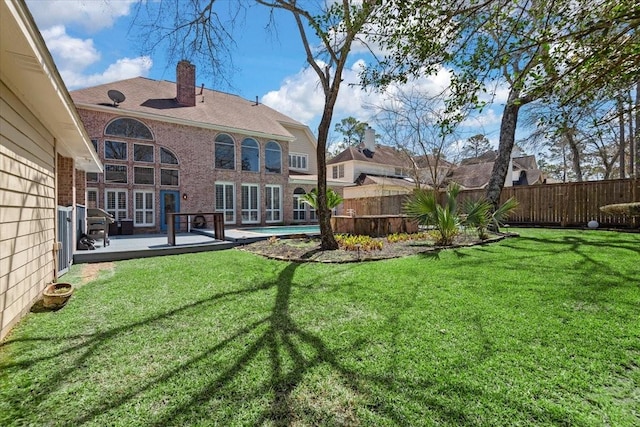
(128,128)
(250,155)
(299,208)
(225,152)
(273,157)
(167,157)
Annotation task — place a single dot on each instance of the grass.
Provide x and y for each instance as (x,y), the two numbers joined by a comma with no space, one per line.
(543,329)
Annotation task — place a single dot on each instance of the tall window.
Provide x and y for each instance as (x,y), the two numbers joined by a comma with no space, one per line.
(115,202)
(225,152)
(338,171)
(273,203)
(128,128)
(250,205)
(250,155)
(273,157)
(115,150)
(298,161)
(299,208)
(225,197)
(143,153)
(143,208)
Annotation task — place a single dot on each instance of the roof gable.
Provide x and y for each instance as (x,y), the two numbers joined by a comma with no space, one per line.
(383,155)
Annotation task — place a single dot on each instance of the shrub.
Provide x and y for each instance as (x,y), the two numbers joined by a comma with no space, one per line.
(424,208)
(350,242)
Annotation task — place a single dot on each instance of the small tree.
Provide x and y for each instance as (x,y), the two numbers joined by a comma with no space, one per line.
(475,146)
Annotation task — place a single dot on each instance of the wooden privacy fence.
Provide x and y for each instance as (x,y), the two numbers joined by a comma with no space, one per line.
(567,204)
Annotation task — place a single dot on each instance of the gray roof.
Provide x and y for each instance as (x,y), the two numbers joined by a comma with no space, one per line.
(157,97)
(382,155)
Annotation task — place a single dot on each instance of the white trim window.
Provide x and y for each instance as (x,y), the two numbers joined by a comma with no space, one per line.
(115,202)
(92,197)
(143,208)
(273,203)
(225,201)
(299,161)
(143,153)
(250,204)
(338,171)
(299,207)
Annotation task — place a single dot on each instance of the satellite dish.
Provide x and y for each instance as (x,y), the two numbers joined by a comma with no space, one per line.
(116,96)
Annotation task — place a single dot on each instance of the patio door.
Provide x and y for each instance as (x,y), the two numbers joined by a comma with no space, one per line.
(169,203)
(273,203)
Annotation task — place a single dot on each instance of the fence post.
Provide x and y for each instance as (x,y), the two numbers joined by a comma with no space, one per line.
(171,228)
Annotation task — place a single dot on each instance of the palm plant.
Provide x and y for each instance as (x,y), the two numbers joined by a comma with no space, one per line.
(424,208)
(311,198)
(479,214)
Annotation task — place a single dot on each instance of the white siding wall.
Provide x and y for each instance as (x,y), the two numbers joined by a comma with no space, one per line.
(373,168)
(302,145)
(27,208)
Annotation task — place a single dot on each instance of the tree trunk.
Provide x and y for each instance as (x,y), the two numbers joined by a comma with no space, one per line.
(328,241)
(631,133)
(507,140)
(637,134)
(622,138)
(575,153)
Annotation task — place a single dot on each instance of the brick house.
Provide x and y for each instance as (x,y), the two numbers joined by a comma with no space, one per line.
(176,147)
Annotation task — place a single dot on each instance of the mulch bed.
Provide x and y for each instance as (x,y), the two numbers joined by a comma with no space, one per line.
(308,249)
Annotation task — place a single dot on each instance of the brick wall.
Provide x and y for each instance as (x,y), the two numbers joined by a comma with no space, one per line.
(66,181)
(81,187)
(194,148)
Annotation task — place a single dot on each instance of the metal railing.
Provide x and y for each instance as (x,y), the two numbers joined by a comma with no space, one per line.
(199,221)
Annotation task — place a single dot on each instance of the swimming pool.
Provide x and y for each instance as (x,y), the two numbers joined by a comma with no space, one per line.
(282,230)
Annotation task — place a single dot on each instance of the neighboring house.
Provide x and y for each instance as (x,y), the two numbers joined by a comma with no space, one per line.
(474,173)
(377,170)
(44,151)
(371,170)
(170,147)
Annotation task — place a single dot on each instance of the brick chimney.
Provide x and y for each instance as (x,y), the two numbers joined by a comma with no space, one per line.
(186,83)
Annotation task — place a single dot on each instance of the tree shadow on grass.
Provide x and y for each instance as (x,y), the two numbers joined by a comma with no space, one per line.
(277,335)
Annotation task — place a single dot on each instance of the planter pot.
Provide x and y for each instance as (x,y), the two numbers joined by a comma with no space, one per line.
(56,295)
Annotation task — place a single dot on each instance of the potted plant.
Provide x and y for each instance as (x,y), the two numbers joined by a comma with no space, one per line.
(56,295)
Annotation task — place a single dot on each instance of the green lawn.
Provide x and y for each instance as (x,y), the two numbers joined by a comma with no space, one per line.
(543,329)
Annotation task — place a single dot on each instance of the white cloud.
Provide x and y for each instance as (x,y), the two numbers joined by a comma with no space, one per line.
(124,68)
(300,96)
(70,53)
(74,55)
(93,15)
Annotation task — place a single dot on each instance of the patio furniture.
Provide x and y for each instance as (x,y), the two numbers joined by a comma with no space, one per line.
(98,224)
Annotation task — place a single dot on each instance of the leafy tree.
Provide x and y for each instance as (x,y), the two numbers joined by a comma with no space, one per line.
(352,131)
(196,30)
(536,48)
(475,146)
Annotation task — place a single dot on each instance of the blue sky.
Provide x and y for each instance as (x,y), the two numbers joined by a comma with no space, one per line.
(93,42)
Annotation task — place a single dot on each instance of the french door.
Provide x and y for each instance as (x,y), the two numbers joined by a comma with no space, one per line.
(273,203)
